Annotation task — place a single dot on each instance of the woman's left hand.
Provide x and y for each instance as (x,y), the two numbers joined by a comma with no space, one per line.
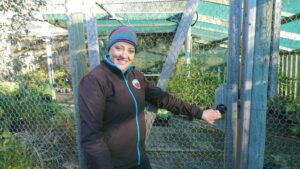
(210,115)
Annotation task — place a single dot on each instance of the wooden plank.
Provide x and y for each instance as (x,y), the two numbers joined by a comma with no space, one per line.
(92,34)
(298,78)
(78,65)
(232,84)
(275,36)
(246,80)
(47,38)
(180,35)
(289,76)
(285,74)
(257,129)
(177,42)
(188,46)
(220,98)
(294,81)
(222,2)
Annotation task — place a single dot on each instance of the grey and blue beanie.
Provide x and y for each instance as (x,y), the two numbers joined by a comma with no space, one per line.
(122,34)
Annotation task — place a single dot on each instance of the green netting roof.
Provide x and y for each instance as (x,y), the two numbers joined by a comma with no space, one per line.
(210,23)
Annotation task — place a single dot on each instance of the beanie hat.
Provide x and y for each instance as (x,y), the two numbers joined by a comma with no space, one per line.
(122,34)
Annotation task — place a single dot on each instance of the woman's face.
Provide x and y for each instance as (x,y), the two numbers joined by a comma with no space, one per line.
(122,54)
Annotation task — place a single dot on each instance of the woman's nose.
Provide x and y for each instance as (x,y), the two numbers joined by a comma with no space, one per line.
(123,53)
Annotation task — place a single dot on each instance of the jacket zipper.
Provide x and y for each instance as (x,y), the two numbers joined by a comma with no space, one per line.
(136,120)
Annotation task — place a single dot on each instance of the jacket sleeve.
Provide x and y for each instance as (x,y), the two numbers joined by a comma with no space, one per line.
(161,99)
(91,104)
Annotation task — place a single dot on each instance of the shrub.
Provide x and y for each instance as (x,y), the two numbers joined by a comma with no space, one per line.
(194,83)
(39,80)
(36,125)
(287,111)
(13,154)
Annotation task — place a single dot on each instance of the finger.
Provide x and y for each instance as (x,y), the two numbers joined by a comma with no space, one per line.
(220,115)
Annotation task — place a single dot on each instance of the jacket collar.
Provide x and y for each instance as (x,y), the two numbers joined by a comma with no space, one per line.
(115,68)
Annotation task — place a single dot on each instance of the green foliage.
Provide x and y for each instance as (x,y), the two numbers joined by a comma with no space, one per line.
(62,78)
(39,80)
(27,107)
(8,87)
(163,114)
(288,109)
(194,83)
(36,81)
(36,127)
(13,154)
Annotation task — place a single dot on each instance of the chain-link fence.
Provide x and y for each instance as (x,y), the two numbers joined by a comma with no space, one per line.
(37,114)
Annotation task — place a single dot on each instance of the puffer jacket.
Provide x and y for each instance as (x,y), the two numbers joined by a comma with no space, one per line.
(111,106)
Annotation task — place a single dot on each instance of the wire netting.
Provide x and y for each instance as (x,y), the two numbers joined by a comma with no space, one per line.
(37,114)
(283,134)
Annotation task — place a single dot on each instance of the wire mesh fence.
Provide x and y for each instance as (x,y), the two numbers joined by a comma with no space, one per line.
(37,116)
(282,139)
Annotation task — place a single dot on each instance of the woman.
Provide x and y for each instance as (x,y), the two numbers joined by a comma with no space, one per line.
(111,103)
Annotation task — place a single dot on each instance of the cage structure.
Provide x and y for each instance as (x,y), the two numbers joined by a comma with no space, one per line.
(39,114)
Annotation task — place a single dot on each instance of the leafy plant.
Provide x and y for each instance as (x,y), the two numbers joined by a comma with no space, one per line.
(62,78)
(194,83)
(288,110)
(39,124)
(13,154)
(163,114)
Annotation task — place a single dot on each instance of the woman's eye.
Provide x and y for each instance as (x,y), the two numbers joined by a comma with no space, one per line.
(131,51)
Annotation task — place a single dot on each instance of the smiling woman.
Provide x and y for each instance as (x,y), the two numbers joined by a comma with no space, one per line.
(122,55)
(111,102)
(121,45)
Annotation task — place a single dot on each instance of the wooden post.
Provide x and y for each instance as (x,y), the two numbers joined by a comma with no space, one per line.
(185,22)
(92,34)
(297,77)
(180,35)
(255,86)
(188,46)
(47,37)
(232,84)
(220,98)
(246,80)
(275,36)
(78,64)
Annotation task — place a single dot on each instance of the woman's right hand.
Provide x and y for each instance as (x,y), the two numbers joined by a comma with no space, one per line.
(210,115)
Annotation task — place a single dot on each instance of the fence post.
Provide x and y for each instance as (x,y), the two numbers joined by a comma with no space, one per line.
(92,34)
(47,38)
(220,98)
(78,64)
(166,73)
(255,82)
(232,84)
(181,32)
(246,79)
(188,46)
(275,36)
